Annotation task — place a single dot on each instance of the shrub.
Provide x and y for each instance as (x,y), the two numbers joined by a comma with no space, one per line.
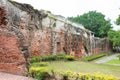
(35,59)
(69,58)
(80,76)
(60,56)
(52,58)
(38,72)
(93,57)
(40,64)
(49,58)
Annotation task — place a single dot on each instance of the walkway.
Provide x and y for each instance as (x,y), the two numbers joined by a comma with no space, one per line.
(6,76)
(106,59)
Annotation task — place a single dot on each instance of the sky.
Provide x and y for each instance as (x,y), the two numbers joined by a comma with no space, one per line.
(68,8)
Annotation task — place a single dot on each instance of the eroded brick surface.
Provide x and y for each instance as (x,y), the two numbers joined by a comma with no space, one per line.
(11,59)
(37,33)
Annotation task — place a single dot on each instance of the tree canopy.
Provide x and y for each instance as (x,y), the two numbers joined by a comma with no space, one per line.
(95,22)
(118,20)
(114,36)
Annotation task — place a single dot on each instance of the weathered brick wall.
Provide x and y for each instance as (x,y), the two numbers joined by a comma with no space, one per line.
(102,46)
(36,33)
(11,59)
(42,33)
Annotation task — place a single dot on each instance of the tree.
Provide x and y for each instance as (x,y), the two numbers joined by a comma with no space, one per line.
(95,22)
(114,36)
(118,20)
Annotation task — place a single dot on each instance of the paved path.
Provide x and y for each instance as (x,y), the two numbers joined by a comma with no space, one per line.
(6,76)
(106,59)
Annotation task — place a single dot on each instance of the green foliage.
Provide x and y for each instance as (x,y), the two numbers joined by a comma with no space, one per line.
(35,59)
(76,66)
(49,58)
(80,76)
(84,67)
(118,20)
(11,0)
(118,57)
(69,58)
(52,58)
(38,72)
(93,57)
(57,57)
(114,36)
(95,22)
(60,56)
(40,64)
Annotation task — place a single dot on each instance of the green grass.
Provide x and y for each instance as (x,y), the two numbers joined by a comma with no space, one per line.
(99,59)
(85,67)
(93,57)
(114,61)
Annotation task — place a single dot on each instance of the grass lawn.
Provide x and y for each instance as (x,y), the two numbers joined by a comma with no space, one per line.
(114,61)
(85,67)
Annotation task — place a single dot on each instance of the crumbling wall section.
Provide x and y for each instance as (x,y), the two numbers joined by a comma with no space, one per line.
(31,32)
(42,33)
(11,59)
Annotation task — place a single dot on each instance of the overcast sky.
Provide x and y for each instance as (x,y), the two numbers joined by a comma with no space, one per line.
(67,8)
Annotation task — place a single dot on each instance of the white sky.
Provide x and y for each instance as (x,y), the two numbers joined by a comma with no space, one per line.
(68,8)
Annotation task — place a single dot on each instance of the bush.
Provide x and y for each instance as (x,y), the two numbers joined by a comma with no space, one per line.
(93,57)
(69,58)
(35,59)
(79,76)
(49,58)
(60,56)
(52,58)
(40,64)
(38,72)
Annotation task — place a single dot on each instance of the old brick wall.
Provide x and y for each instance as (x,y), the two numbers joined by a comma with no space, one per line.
(11,59)
(42,33)
(37,33)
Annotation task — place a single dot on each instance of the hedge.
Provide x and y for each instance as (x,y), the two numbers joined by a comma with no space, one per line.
(42,73)
(52,58)
(93,57)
